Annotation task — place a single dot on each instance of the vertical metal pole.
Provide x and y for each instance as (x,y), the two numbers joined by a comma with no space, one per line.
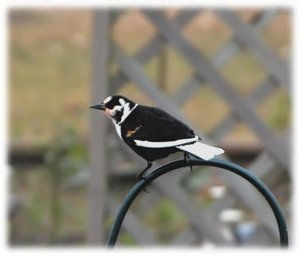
(97,141)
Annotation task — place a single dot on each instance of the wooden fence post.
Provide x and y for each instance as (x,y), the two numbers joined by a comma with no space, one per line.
(97,141)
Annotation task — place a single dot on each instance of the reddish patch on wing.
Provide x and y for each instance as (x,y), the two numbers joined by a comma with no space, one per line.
(129,133)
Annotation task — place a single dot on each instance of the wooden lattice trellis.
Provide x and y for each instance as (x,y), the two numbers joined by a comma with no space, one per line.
(273,160)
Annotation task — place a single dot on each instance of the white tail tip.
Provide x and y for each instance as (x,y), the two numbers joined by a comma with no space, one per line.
(201,150)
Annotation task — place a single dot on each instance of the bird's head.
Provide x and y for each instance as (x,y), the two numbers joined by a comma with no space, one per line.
(116,107)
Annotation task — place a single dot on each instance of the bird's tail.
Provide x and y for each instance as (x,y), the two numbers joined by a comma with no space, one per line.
(201,150)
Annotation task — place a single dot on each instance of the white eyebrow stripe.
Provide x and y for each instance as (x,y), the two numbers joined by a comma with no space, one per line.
(150,144)
(107,100)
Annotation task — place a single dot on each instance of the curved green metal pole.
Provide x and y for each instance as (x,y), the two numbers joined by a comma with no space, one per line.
(140,186)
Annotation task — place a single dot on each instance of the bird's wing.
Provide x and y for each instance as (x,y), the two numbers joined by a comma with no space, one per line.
(159,129)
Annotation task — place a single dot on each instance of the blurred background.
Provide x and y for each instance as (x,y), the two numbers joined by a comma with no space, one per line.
(224,72)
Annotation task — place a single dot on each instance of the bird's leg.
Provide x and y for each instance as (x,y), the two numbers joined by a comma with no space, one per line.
(187,159)
(140,175)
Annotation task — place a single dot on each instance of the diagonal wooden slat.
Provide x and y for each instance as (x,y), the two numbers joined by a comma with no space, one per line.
(263,164)
(265,16)
(185,16)
(186,91)
(224,54)
(204,67)
(262,91)
(232,47)
(224,126)
(154,46)
(115,15)
(229,121)
(246,36)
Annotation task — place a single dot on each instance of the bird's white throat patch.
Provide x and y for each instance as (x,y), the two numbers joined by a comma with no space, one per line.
(118,129)
(126,112)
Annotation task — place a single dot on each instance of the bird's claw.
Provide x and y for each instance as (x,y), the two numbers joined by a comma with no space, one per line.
(140,177)
(144,189)
(187,160)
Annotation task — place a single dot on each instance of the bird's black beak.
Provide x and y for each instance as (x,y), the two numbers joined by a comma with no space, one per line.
(98,107)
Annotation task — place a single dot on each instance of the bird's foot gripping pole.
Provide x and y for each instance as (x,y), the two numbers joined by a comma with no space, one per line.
(187,160)
(140,175)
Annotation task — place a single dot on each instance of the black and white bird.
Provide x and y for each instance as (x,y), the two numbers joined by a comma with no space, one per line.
(152,133)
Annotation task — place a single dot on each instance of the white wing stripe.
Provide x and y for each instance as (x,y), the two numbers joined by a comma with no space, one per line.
(149,144)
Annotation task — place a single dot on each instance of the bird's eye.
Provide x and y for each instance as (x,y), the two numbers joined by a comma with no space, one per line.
(109,105)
